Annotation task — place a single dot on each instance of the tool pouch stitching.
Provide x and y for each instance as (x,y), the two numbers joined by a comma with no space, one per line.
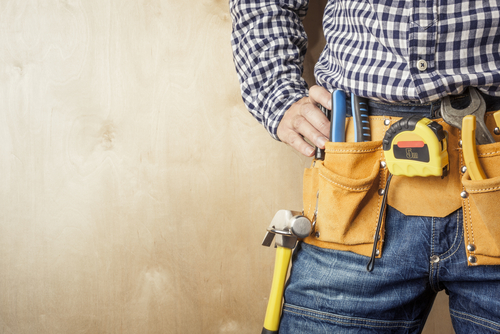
(348,181)
(482,209)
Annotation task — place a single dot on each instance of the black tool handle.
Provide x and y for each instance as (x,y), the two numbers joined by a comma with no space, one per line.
(320,153)
(267,331)
(360,115)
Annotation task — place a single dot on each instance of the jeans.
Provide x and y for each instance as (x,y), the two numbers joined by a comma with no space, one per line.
(331,291)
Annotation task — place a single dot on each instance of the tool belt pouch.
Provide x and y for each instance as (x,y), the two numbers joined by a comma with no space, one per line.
(347,183)
(481,209)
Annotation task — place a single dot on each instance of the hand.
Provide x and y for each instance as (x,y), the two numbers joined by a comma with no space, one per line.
(304,119)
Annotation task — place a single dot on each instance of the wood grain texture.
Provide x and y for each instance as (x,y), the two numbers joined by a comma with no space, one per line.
(135,187)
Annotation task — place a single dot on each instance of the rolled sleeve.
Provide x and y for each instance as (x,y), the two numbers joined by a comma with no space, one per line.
(269,44)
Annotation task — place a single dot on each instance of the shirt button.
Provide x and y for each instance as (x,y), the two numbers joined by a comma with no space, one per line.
(421,65)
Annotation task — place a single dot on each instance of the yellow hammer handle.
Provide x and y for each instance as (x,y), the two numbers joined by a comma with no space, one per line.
(273,313)
(476,172)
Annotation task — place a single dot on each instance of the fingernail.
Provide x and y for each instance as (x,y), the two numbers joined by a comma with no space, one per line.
(330,104)
(309,151)
(321,141)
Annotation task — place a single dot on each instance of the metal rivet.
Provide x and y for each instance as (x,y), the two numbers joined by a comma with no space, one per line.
(463,169)
(381,191)
(377,252)
(435,259)
(383,164)
(421,65)
(464,194)
(317,234)
(472,259)
(387,122)
(471,248)
(460,143)
(497,131)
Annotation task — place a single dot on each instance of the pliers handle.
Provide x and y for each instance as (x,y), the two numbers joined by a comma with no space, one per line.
(469,150)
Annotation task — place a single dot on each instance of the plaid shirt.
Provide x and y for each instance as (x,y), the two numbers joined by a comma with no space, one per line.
(389,50)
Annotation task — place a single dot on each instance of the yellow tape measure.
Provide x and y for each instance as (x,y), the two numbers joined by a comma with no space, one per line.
(416,146)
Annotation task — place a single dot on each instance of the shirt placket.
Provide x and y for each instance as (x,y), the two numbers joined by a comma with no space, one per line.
(422,49)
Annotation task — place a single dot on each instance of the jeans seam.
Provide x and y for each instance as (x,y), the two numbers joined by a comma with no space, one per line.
(437,289)
(454,242)
(350,320)
(454,251)
(433,235)
(449,253)
(433,266)
(469,317)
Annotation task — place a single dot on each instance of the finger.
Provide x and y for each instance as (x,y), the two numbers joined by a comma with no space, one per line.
(318,94)
(316,118)
(296,141)
(311,131)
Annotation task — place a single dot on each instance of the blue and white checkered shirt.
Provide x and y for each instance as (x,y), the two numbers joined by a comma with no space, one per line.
(389,50)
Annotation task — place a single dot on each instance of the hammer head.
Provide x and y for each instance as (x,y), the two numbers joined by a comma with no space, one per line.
(289,226)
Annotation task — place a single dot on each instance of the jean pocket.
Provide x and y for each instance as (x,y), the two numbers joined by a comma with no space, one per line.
(481,209)
(347,183)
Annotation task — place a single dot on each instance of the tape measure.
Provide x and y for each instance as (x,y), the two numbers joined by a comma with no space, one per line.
(416,146)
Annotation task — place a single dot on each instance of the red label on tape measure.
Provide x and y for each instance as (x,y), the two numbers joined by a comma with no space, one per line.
(405,144)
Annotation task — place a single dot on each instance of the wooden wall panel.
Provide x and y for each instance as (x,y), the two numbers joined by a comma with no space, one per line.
(135,188)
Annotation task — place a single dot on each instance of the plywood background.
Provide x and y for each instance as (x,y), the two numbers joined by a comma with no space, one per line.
(134,186)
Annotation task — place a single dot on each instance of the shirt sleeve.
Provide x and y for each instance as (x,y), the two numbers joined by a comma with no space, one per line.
(269,44)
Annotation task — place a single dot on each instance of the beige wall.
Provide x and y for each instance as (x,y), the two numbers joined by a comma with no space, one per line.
(135,188)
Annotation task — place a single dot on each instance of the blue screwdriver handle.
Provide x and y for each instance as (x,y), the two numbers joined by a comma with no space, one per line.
(337,130)
(360,114)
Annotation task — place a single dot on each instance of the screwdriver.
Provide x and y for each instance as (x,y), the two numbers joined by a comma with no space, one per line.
(337,129)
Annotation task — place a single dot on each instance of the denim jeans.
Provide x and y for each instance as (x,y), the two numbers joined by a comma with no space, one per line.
(331,291)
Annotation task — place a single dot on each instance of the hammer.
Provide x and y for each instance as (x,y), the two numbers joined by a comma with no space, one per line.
(288,226)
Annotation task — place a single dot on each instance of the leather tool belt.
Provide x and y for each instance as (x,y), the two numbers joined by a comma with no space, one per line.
(350,179)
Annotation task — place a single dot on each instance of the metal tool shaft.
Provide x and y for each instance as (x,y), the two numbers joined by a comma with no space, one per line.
(477,107)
